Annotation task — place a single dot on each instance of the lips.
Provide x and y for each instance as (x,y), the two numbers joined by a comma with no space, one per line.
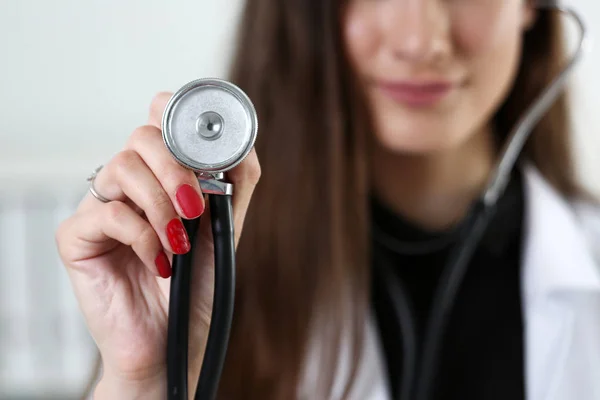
(417,94)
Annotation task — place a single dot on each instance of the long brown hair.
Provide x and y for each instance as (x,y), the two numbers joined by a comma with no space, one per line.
(304,254)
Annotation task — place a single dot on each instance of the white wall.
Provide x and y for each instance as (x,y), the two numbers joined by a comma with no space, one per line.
(586,97)
(77,76)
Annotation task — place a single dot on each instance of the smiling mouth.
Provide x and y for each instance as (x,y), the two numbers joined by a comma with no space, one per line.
(417,94)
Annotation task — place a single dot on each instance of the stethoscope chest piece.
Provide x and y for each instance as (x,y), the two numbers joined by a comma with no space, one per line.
(209,125)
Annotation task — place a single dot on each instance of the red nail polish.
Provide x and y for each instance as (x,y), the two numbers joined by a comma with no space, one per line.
(178,237)
(162,265)
(190,202)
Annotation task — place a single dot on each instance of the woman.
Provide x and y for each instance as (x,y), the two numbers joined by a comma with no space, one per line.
(380,123)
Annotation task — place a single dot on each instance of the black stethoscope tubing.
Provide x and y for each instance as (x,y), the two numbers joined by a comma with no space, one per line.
(221,214)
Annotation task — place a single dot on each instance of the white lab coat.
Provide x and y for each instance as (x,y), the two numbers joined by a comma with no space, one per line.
(561,305)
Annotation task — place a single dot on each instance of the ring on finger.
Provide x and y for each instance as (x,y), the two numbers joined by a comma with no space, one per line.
(92,189)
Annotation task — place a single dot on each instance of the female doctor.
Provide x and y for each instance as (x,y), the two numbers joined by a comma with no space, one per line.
(380,123)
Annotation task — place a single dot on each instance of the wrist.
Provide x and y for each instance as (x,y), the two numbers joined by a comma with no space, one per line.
(114,387)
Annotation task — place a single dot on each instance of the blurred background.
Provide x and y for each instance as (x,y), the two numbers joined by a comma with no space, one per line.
(76,77)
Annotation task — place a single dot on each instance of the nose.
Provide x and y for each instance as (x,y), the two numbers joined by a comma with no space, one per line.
(417,30)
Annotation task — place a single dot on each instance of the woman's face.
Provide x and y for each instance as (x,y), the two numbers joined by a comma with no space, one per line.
(434,71)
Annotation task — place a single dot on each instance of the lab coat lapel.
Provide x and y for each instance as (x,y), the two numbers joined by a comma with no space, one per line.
(561,283)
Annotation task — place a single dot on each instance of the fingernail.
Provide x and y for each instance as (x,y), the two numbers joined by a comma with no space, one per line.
(162,265)
(180,243)
(190,202)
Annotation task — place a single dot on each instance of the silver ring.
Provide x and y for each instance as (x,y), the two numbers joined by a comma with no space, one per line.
(92,189)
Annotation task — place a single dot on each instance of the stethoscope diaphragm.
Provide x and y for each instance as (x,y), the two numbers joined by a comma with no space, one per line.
(209,125)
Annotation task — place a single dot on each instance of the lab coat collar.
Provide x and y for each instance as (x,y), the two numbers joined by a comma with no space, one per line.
(557,254)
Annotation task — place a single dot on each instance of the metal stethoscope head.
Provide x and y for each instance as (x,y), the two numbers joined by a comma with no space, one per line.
(210,126)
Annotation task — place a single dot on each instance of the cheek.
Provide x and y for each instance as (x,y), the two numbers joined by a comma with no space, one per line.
(490,47)
(483,34)
(360,35)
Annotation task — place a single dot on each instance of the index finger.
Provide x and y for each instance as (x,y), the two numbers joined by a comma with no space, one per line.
(157,108)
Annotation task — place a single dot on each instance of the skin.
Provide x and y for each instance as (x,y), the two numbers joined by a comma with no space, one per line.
(443,153)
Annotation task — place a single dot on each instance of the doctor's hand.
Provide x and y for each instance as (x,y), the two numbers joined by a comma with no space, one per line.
(118,257)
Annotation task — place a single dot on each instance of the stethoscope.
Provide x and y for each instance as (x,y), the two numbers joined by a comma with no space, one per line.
(210,126)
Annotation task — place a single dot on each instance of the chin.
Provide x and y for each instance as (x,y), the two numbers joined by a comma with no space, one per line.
(418,137)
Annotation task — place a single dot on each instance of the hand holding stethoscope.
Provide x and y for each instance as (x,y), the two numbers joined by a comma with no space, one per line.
(112,254)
